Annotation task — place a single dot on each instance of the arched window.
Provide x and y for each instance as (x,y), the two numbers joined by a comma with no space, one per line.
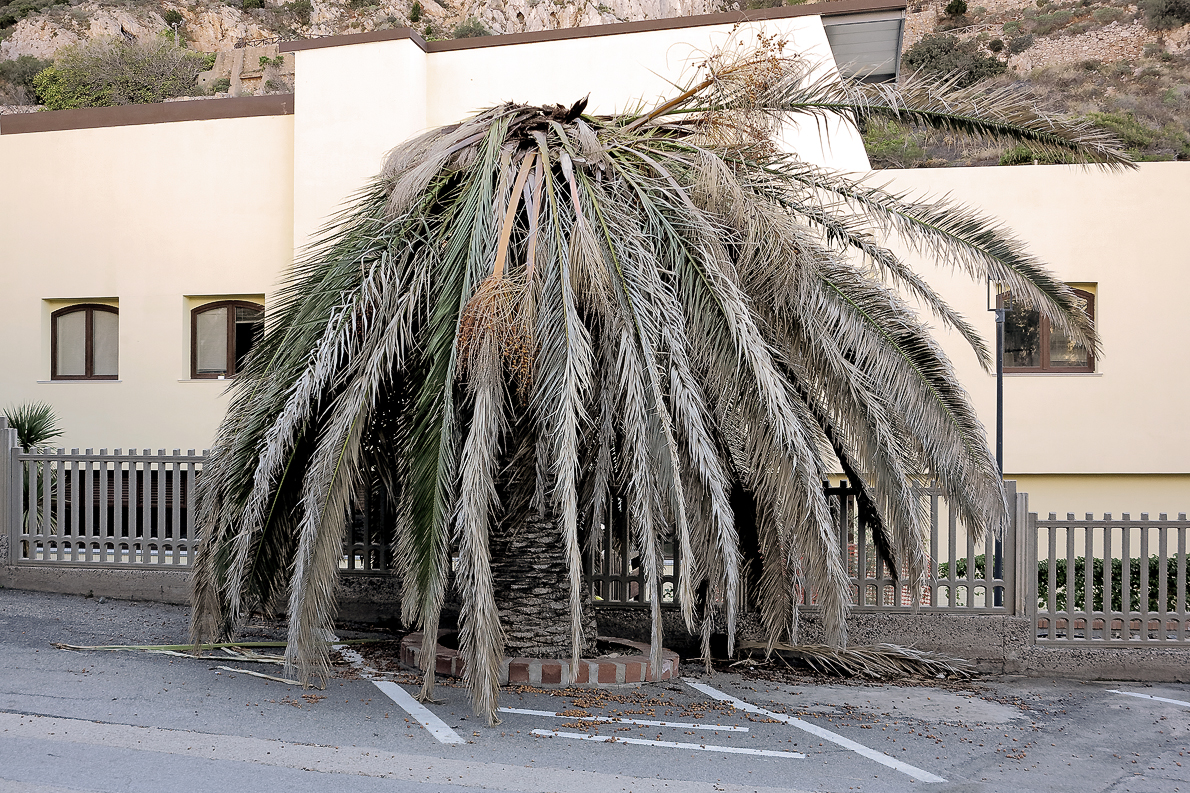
(221,335)
(85,342)
(1031,345)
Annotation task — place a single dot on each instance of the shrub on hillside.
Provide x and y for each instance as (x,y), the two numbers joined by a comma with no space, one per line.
(301,10)
(1018,44)
(173,17)
(892,145)
(470,29)
(1166,14)
(956,8)
(1048,23)
(1132,133)
(1023,155)
(105,72)
(16,80)
(941,55)
(16,10)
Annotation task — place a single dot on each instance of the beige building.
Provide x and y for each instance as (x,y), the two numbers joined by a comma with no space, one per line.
(139,244)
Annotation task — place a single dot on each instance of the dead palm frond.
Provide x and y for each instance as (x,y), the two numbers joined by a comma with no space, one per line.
(878,661)
(661,304)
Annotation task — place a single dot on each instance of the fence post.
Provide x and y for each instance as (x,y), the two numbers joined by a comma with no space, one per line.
(1008,564)
(1028,563)
(8,523)
(1026,549)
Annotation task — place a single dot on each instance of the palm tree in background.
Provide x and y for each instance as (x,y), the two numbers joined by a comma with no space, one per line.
(536,308)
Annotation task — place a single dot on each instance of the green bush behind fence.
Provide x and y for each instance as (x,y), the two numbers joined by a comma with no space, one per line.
(1063,583)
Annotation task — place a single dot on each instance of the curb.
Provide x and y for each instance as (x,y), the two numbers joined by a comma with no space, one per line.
(604,672)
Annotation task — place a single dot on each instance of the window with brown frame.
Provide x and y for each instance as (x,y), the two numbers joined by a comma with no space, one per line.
(85,342)
(1031,345)
(221,334)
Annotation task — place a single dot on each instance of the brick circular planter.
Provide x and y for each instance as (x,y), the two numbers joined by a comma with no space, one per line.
(630,668)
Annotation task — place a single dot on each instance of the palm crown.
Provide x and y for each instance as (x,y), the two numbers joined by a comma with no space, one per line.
(535,308)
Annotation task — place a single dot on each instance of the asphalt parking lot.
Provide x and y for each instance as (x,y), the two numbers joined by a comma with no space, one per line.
(133,721)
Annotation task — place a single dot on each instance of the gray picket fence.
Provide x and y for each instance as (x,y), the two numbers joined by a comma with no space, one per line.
(129,509)
(1112,581)
(1092,581)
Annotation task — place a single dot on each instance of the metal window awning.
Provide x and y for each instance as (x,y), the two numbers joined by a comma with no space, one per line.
(867,46)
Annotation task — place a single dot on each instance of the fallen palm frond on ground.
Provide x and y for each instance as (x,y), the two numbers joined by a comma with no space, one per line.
(174,647)
(236,651)
(876,661)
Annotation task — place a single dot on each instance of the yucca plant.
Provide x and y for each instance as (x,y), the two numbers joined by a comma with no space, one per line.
(36,424)
(532,309)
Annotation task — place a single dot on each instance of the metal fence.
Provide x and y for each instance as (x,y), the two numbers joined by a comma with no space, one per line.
(1099,582)
(1111,581)
(118,508)
(613,567)
(963,576)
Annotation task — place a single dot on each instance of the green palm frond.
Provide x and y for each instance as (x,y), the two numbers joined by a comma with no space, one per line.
(535,311)
(36,424)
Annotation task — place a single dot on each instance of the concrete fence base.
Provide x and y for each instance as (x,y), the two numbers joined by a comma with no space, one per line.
(1000,644)
(362,597)
(995,644)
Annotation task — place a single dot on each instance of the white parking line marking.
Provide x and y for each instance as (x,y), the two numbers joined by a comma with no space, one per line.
(1149,696)
(644,722)
(698,747)
(814,729)
(434,725)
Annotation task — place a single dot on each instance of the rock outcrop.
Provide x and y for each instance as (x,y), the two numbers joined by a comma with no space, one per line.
(212,27)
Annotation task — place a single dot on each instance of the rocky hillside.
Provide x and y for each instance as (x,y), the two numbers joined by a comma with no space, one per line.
(208,26)
(1119,65)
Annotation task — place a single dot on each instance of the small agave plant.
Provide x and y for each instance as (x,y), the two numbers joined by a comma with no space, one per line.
(538,307)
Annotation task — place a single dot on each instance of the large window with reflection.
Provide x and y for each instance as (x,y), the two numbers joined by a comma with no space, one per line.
(221,334)
(85,342)
(1031,345)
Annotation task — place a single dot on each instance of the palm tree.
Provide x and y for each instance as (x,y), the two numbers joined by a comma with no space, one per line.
(536,307)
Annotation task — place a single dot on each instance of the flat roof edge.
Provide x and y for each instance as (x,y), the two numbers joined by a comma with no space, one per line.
(156,113)
(827,9)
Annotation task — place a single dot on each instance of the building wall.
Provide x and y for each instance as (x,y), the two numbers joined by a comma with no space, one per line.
(355,103)
(1116,439)
(161,217)
(156,218)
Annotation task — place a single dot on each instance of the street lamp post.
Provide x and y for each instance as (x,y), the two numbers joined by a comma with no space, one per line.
(1000,306)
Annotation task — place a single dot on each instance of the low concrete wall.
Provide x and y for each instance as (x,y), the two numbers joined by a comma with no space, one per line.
(362,598)
(160,586)
(1000,644)
(995,644)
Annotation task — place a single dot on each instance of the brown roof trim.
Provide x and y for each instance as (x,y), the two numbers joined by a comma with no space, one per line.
(827,9)
(392,34)
(158,113)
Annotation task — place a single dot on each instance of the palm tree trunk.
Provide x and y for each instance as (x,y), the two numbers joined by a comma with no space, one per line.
(533,590)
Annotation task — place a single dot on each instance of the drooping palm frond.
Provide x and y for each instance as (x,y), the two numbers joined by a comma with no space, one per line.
(537,311)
